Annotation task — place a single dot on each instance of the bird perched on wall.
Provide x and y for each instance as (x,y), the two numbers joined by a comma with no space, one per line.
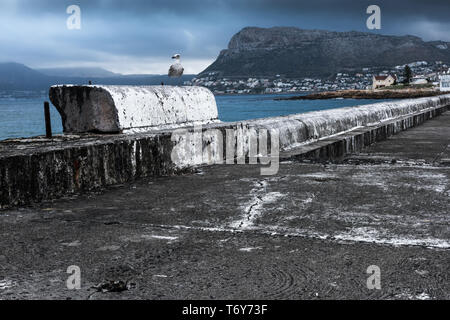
(176,70)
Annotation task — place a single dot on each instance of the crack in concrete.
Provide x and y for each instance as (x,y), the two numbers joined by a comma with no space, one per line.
(254,209)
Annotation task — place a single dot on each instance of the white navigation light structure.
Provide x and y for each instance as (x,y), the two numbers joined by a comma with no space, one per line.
(176,70)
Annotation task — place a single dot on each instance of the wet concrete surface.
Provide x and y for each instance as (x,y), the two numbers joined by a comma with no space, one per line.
(226,232)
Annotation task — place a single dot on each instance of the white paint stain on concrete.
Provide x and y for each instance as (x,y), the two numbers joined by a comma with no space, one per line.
(109,248)
(148,237)
(423,296)
(160,237)
(365,235)
(409,296)
(309,199)
(250,249)
(6,284)
(381,236)
(75,243)
(319,176)
(425,180)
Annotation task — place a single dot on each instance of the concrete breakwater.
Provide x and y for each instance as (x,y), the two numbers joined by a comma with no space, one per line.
(369,94)
(115,109)
(33,170)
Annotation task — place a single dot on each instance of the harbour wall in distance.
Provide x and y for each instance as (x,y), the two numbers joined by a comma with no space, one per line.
(38,169)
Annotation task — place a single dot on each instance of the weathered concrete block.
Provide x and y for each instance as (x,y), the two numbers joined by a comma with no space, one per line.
(113,109)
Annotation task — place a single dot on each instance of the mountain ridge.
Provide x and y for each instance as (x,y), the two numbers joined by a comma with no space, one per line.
(294,52)
(81,72)
(16,76)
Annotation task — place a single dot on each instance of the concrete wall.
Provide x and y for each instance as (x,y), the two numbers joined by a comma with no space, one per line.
(114,109)
(295,130)
(32,170)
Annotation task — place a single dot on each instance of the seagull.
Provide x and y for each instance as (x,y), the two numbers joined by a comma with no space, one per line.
(176,70)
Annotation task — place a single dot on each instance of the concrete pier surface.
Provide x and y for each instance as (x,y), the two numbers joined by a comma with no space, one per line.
(226,232)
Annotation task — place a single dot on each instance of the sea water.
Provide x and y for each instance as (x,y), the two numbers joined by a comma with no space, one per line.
(22,112)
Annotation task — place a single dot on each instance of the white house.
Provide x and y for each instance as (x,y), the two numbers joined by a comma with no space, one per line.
(445,82)
(383,81)
(419,80)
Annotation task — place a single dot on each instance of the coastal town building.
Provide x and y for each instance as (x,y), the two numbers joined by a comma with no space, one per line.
(361,79)
(383,81)
(445,82)
(418,80)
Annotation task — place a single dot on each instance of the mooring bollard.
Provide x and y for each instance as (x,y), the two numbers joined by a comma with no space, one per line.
(48,123)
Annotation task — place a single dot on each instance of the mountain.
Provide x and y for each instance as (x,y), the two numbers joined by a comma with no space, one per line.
(15,76)
(12,73)
(78,72)
(294,53)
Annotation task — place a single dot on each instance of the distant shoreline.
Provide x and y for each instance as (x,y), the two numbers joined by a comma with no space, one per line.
(368,94)
(262,94)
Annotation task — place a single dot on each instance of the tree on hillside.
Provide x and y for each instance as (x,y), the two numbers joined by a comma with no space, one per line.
(407,75)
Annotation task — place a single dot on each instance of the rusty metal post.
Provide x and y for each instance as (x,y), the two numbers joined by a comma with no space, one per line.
(48,122)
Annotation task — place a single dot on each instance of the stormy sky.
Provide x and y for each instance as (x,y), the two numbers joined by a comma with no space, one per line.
(140,36)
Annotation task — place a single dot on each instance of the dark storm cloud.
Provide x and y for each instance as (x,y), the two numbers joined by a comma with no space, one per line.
(433,9)
(139,35)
